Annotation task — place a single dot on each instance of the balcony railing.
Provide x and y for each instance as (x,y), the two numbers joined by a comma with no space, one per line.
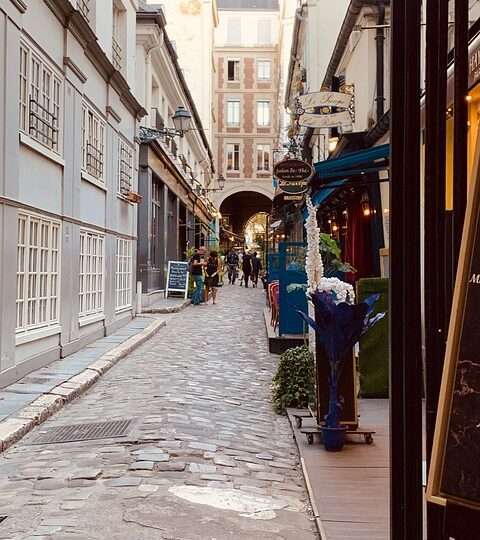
(84,8)
(116,54)
(94,161)
(42,125)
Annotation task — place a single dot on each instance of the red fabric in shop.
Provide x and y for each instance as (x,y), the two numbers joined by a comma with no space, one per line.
(358,244)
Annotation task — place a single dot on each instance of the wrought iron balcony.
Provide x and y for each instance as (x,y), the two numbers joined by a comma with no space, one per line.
(42,125)
(84,8)
(116,54)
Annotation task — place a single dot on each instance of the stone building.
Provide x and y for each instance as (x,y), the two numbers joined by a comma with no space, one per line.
(175,213)
(68,175)
(246,82)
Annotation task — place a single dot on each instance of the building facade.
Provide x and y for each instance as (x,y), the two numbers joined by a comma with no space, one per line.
(68,167)
(247,71)
(175,213)
(191,27)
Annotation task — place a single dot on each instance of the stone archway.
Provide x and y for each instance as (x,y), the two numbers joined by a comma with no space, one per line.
(237,208)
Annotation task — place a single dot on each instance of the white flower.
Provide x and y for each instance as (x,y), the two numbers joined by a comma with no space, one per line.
(314,265)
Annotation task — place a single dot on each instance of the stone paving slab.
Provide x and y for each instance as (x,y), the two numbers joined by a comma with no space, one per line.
(41,393)
(199,397)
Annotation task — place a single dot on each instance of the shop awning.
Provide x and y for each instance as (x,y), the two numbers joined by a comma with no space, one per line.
(334,173)
(354,163)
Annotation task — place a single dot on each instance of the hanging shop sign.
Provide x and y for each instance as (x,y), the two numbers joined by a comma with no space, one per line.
(325,99)
(454,476)
(293,175)
(177,278)
(341,120)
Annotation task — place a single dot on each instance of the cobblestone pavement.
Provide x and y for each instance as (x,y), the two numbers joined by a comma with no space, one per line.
(206,458)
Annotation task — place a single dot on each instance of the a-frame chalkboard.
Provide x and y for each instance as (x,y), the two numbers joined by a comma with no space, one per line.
(454,475)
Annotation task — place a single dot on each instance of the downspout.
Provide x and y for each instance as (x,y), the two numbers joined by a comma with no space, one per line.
(380,41)
(378,240)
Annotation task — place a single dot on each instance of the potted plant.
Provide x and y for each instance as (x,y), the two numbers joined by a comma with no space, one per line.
(338,326)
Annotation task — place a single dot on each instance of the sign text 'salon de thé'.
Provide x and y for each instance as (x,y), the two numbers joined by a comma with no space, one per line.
(454,475)
(293,175)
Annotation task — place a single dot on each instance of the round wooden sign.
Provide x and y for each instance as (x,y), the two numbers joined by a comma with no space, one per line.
(293,175)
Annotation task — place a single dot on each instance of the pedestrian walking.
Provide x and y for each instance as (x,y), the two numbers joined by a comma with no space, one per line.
(197,263)
(232,266)
(256,268)
(247,267)
(212,270)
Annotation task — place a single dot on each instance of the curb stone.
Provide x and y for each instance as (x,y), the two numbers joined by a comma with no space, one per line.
(18,425)
(165,310)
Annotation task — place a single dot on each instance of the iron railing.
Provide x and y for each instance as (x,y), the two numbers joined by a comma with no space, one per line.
(116,54)
(125,171)
(84,8)
(42,124)
(94,161)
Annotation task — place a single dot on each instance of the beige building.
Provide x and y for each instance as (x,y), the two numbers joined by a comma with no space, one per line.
(246,80)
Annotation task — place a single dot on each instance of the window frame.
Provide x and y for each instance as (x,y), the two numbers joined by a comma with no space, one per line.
(40,98)
(270,32)
(125,167)
(265,150)
(233,101)
(38,273)
(93,132)
(86,275)
(236,72)
(258,115)
(123,274)
(264,61)
(228,31)
(235,152)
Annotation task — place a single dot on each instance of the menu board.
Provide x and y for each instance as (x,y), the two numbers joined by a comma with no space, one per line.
(177,278)
(455,470)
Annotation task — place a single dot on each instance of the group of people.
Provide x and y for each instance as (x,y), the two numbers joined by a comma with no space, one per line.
(206,272)
(250,266)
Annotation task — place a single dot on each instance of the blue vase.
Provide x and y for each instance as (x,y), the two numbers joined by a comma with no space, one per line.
(333,437)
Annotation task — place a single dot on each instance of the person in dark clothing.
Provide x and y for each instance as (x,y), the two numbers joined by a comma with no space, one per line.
(212,269)
(247,267)
(197,263)
(232,264)
(256,268)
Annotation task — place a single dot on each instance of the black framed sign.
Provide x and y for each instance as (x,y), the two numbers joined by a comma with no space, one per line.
(454,475)
(177,278)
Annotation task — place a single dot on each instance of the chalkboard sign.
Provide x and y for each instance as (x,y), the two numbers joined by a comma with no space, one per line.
(455,470)
(177,278)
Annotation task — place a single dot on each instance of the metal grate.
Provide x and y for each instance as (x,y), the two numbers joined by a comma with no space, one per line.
(84,432)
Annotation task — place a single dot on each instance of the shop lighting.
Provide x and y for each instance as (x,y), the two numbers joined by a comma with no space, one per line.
(335,227)
(332,144)
(365,205)
(468,98)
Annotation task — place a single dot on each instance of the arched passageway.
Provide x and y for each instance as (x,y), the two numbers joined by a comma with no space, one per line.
(237,210)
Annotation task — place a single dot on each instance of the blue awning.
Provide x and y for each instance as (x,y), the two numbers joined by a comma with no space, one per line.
(338,171)
(353,162)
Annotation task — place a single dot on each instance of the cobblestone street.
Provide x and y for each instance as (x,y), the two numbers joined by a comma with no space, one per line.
(205,457)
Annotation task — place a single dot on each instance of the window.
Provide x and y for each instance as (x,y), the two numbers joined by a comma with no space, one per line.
(39,99)
(125,167)
(263,157)
(117,53)
(93,135)
(233,112)
(123,274)
(264,70)
(91,273)
(264,32)
(38,272)
(233,157)
(233,70)
(84,7)
(263,113)
(234,31)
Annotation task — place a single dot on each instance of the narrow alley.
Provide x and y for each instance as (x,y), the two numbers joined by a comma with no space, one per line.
(204,456)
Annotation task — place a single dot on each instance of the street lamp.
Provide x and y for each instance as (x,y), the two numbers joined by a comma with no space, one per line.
(181,121)
(203,190)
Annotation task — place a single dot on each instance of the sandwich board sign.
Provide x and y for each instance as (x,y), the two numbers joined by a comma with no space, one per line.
(454,476)
(177,278)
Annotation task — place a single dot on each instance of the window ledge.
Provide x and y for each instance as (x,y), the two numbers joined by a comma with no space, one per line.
(90,319)
(40,149)
(39,333)
(124,199)
(95,181)
(122,310)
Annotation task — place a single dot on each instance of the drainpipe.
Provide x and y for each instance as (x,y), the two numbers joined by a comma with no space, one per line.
(380,41)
